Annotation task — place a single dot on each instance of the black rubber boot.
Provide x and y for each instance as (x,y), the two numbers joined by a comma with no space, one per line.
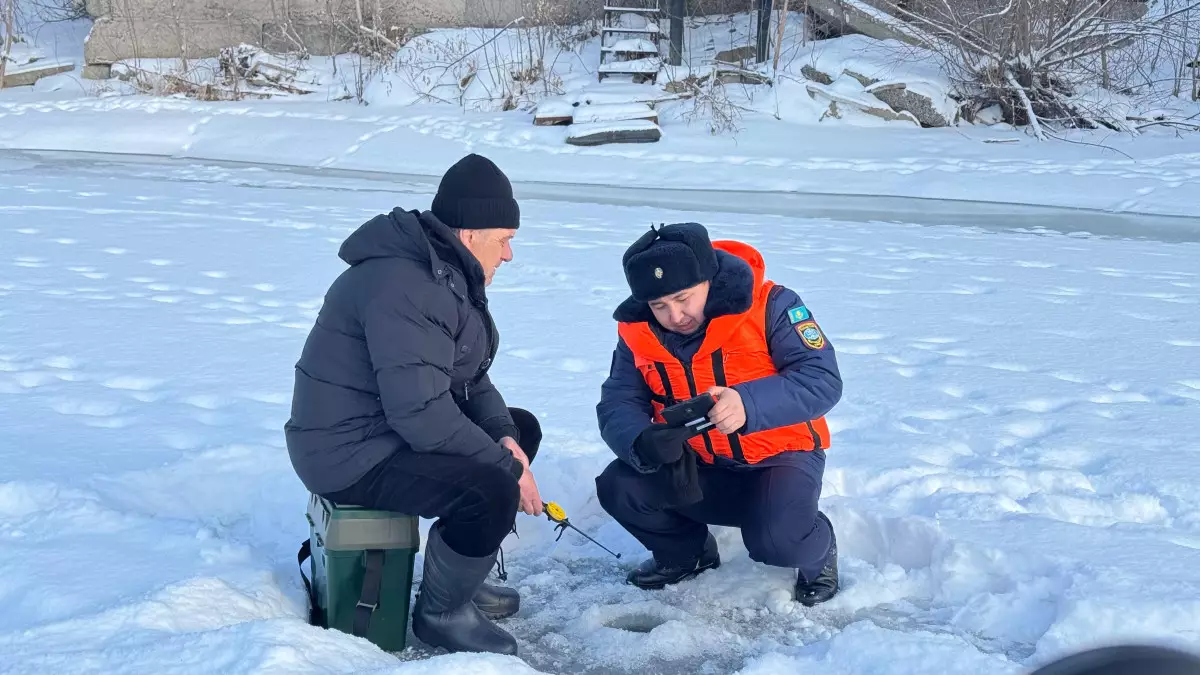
(650,575)
(444,615)
(825,586)
(497,602)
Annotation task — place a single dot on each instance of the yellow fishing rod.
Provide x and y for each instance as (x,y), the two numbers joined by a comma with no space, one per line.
(557,515)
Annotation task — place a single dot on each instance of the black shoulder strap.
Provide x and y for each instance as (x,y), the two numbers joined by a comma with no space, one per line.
(314,609)
(369,600)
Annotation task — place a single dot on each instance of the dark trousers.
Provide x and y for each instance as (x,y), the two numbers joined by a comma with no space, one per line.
(774,506)
(475,503)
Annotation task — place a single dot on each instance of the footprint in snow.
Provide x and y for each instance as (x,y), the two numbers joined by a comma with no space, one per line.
(963,393)
(1042,405)
(1009,367)
(86,408)
(207,401)
(1073,378)
(61,362)
(863,337)
(858,349)
(1032,429)
(574,365)
(138,387)
(34,379)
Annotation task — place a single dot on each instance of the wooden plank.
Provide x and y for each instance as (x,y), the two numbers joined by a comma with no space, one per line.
(613,112)
(631,46)
(622,92)
(602,133)
(633,10)
(28,74)
(634,67)
(554,111)
(647,30)
(615,50)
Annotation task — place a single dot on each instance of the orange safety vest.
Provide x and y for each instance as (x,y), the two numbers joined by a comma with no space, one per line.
(734,351)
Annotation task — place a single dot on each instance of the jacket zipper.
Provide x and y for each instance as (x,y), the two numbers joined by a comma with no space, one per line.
(493,347)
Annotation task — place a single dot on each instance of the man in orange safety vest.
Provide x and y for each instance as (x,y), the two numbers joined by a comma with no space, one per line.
(704,319)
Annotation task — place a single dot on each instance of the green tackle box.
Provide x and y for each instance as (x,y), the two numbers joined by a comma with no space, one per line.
(362,570)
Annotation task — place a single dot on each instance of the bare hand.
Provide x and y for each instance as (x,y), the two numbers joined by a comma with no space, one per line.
(531,500)
(729,414)
(509,443)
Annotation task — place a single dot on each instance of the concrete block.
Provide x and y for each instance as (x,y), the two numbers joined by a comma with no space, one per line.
(96,71)
(112,40)
(201,28)
(23,76)
(847,18)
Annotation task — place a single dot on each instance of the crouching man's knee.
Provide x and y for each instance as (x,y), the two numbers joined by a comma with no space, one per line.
(781,540)
(621,490)
(485,510)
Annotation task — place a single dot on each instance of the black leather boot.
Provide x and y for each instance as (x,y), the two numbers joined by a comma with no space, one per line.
(444,614)
(651,575)
(497,602)
(825,586)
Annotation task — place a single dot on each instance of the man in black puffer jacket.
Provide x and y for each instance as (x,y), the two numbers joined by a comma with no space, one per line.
(393,408)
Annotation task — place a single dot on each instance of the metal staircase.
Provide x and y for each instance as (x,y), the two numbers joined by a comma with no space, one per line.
(629,40)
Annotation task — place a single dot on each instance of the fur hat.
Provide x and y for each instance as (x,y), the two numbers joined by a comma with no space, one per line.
(669,259)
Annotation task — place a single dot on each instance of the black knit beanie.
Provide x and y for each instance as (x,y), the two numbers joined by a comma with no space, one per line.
(476,195)
(669,259)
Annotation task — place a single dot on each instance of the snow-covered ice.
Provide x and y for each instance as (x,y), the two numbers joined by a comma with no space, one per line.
(1160,175)
(1012,472)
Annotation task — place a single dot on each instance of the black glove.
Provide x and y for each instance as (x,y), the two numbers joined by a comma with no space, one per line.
(661,444)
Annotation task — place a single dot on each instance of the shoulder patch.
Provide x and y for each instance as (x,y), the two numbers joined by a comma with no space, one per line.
(811,334)
(798,314)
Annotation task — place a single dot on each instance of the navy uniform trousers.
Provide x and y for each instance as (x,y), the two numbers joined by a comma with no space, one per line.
(774,505)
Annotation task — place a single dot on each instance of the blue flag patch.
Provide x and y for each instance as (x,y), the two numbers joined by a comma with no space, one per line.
(798,314)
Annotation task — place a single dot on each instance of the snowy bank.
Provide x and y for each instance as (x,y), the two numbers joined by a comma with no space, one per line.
(816,130)
(1160,175)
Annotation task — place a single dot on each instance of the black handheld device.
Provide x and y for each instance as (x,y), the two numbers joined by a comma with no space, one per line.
(692,413)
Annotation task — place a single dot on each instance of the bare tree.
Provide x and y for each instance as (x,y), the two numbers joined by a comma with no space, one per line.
(1195,65)
(8,21)
(1027,55)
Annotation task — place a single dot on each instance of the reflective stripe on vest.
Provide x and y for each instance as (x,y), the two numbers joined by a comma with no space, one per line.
(734,351)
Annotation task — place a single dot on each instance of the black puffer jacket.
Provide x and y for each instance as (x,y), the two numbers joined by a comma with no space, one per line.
(398,358)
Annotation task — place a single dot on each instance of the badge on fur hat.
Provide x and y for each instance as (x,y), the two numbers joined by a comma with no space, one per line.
(658,272)
(811,334)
